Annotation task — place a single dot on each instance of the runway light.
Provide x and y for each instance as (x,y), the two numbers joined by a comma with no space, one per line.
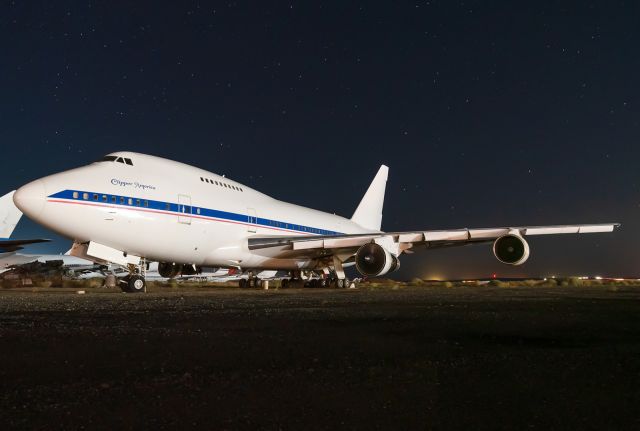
(598,277)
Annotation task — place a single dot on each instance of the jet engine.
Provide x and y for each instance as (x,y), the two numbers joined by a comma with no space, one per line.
(373,260)
(511,249)
(169,269)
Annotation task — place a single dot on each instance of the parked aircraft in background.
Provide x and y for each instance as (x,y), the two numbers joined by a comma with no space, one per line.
(69,263)
(9,218)
(128,208)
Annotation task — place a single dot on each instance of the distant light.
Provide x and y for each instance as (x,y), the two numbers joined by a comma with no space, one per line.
(495,275)
(598,277)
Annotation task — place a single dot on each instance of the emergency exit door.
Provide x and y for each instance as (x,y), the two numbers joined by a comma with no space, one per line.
(252,220)
(184,209)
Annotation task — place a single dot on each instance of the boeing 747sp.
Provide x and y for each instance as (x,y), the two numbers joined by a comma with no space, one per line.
(128,208)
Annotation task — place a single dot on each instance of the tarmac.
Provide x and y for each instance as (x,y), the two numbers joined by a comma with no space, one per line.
(383,358)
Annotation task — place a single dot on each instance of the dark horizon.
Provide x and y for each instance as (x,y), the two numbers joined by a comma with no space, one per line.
(502,115)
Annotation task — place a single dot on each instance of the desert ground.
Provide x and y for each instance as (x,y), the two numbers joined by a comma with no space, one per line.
(474,357)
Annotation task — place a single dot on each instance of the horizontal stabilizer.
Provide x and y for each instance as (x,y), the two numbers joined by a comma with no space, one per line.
(7,246)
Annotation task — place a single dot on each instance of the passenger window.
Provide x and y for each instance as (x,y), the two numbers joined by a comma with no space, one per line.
(85,196)
(168,207)
(217,183)
(121,200)
(137,202)
(198,210)
(95,197)
(114,199)
(75,195)
(146,204)
(104,198)
(130,202)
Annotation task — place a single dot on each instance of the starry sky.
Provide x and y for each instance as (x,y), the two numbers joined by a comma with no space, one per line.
(488,113)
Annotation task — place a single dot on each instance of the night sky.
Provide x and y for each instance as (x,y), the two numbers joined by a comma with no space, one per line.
(488,113)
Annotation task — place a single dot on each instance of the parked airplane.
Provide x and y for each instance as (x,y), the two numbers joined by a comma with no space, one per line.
(10,215)
(9,218)
(70,263)
(128,208)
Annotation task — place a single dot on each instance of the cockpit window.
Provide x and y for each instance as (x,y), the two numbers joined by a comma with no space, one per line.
(108,159)
(116,159)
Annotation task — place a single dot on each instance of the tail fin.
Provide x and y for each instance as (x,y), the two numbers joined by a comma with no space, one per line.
(369,212)
(9,215)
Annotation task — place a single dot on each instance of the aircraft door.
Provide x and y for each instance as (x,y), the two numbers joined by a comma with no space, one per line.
(252,219)
(184,208)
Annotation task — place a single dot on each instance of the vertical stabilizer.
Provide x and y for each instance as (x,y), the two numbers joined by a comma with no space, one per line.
(9,215)
(369,212)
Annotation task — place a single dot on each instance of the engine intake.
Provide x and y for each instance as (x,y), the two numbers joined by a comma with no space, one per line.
(373,260)
(511,249)
(172,269)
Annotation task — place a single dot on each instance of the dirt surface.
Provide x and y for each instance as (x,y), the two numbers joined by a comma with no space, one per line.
(410,358)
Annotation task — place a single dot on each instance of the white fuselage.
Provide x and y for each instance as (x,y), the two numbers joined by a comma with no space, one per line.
(171,212)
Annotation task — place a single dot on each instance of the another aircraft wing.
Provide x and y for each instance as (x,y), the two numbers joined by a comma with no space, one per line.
(324,245)
(9,245)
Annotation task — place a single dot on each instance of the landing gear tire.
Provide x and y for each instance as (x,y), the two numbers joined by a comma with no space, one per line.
(133,284)
(284,283)
(340,283)
(242,283)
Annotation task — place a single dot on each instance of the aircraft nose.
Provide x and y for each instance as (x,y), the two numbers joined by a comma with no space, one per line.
(30,198)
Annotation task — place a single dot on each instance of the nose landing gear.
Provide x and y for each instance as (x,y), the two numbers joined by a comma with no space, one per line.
(135,282)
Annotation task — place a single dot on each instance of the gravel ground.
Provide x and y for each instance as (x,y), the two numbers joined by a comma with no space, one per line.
(409,358)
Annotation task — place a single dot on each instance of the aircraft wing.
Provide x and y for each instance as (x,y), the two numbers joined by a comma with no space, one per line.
(325,245)
(9,245)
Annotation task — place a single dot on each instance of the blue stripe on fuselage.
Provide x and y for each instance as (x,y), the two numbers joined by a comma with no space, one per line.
(186,210)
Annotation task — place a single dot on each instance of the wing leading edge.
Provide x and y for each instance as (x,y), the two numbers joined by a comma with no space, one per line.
(407,240)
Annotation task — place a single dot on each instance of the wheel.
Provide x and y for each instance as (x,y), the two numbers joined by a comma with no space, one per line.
(340,283)
(242,283)
(136,284)
(124,283)
(257,283)
(323,282)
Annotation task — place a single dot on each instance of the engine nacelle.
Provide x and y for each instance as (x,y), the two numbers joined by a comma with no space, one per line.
(172,269)
(373,260)
(169,269)
(511,249)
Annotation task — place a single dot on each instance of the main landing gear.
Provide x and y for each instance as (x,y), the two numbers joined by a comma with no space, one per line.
(135,282)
